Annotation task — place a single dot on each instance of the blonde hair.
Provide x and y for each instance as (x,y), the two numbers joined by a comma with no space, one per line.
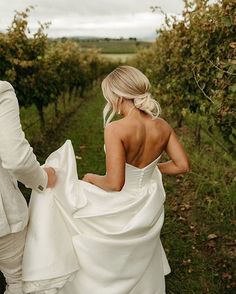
(130,83)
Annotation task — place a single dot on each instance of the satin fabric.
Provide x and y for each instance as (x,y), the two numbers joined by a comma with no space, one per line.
(84,240)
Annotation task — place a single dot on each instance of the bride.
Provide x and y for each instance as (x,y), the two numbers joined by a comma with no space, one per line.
(101,235)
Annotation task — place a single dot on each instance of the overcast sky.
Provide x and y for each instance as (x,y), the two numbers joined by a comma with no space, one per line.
(102,18)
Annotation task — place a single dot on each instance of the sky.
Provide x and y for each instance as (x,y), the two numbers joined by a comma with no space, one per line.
(101,18)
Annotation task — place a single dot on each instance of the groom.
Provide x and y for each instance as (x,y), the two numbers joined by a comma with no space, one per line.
(17,162)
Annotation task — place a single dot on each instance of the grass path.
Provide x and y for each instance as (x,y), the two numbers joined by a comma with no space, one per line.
(198,228)
(85,129)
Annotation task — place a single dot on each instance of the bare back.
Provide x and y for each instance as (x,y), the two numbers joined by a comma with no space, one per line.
(144,139)
(139,140)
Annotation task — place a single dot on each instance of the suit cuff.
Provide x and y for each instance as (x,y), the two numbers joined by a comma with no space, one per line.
(43,185)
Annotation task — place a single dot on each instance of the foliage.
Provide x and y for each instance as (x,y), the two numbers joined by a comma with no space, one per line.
(193,66)
(42,71)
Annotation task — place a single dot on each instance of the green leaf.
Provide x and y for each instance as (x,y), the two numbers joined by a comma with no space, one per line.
(232,88)
(227,21)
(219,75)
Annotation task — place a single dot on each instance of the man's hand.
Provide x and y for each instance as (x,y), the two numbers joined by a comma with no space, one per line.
(52,177)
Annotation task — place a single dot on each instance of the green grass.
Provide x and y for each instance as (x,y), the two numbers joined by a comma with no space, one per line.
(85,128)
(120,57)
(198,204)
(113,46)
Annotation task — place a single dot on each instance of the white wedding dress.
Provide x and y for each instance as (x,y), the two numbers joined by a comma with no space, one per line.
(84,240)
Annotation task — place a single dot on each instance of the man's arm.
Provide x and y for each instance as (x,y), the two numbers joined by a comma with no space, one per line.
(15,152)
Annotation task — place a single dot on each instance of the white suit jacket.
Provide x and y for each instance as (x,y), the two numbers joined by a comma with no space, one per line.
(17,162)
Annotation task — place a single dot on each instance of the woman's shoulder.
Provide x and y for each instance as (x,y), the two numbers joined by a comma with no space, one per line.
(162,128)
(118,129)
(162,122)
(116,124)
(112,129)
(112,125)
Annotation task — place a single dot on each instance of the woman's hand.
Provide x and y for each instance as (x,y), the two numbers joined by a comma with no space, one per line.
(52,177)
(87,178)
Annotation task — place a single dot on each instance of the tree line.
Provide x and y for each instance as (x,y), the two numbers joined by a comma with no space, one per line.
(43,71)
(192,66)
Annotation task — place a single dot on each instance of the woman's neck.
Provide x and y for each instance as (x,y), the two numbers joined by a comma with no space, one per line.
(127,108)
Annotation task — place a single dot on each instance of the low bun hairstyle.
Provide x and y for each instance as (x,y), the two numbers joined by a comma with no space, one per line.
(130,83)
(148,105)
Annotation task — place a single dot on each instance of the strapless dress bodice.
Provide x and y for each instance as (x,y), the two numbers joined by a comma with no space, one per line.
(136,178)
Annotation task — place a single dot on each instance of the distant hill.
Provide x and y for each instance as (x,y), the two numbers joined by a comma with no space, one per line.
(109,45)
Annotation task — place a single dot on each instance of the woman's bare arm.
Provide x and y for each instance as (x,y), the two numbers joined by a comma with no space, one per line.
(179,162)
(115,162)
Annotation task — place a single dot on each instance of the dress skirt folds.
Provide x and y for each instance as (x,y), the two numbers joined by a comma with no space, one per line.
(84,240)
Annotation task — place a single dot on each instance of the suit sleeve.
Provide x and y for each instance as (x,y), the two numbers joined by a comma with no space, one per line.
(15,152)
